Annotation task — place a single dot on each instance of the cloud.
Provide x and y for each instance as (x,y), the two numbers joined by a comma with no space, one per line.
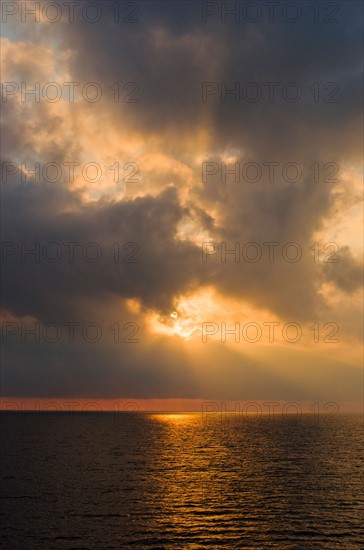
(37,215)
(347,275)
(171,211)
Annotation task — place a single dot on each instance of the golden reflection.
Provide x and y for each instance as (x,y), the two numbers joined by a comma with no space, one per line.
(175,418)
(191,491)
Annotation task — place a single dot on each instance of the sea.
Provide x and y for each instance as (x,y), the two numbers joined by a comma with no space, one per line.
(181,481)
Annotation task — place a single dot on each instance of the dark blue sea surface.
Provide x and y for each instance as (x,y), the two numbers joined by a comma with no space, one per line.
(181,481)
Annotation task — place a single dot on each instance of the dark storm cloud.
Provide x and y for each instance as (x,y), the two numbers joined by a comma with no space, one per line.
(36,214)
(169,54)
(278,213)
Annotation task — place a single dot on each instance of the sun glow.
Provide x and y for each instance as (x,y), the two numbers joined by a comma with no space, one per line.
(173,326)
(191,312)
(185,321)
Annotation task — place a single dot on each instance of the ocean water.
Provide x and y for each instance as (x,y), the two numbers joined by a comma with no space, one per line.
(181,481)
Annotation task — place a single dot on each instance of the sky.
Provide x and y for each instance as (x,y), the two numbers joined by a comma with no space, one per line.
(182,203)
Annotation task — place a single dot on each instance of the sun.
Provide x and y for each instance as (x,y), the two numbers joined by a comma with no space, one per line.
(185,321)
